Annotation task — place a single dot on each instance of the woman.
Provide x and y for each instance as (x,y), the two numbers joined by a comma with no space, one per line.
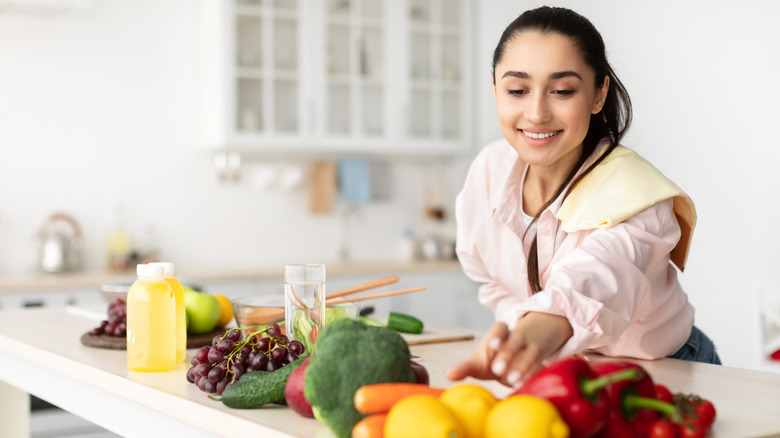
(571,233)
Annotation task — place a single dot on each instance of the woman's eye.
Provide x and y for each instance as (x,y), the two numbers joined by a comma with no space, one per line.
(563,92)
(517,92)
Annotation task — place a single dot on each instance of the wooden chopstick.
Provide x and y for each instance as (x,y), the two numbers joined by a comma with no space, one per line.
(361,287)
(297,301)
(330,302)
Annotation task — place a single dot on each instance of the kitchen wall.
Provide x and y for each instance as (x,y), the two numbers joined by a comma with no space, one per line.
(97,114)
(97,111)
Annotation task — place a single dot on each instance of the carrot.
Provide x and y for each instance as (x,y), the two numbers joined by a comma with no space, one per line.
(372,426)
(378,398)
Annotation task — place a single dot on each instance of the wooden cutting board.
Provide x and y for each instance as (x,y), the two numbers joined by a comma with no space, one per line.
(120,343)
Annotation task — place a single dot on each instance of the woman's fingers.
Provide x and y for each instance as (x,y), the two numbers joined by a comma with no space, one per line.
(478,365)
(510,350)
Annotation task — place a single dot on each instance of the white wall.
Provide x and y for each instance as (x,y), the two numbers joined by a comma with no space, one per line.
(702,79)
(96,109)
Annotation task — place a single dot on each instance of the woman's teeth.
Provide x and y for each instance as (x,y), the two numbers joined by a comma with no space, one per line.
(540,135)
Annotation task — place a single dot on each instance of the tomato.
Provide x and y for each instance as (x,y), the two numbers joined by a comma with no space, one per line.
(662,429)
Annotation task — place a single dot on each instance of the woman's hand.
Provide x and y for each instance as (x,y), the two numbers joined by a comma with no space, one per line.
(510,356)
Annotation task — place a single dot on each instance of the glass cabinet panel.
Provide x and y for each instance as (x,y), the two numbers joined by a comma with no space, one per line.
(266,67)
(435,68)
(354,60)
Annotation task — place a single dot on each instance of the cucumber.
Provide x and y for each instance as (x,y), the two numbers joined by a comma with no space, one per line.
(404,323)
(257,388)
(370,321)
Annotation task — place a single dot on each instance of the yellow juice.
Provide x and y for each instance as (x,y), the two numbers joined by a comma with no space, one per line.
(151,324)
(181,318)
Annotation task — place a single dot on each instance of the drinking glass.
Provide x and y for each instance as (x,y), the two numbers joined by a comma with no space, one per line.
(304,297)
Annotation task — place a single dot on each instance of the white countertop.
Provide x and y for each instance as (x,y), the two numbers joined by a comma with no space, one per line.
(40,353)
(16,282)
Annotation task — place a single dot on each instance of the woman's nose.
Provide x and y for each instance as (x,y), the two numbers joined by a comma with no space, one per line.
(538,110)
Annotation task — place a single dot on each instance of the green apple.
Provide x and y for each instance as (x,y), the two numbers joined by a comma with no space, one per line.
(202,311)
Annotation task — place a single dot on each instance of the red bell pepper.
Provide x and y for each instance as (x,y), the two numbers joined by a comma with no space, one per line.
(633,404)
(577,392)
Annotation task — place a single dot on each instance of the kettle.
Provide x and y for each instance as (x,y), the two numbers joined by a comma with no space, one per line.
(60,243)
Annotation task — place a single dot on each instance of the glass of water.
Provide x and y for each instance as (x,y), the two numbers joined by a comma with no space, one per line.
(304,298)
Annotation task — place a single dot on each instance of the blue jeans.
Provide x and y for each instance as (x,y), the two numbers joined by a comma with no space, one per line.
(698,348)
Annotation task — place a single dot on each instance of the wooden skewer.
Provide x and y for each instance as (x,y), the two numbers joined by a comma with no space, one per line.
(298,301)
(370,297)
(365,286)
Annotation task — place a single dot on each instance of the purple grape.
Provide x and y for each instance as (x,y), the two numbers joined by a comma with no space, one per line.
(278,354)
(273,365)
(207,385)
(202,354)
(292,357)
(203,369)
(237,368)
(221,385)
(259,362)
(245,350)
(216,340)
(250,369)
(96,331)
(282,340)
(226,346)
(194,361)
(264,344)
(191,375)
(296,346)
(234,335)
(274,330)
(216,374)
(215,355)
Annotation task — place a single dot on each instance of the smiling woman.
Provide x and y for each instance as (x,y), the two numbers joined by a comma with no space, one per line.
(595,226)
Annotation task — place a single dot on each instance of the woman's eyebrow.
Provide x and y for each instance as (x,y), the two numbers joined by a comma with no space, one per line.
(553,76)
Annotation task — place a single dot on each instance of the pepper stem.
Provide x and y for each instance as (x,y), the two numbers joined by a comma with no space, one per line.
(590,387)
(633,402)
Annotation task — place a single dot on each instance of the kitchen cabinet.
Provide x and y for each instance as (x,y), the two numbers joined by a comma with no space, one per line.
(361,76)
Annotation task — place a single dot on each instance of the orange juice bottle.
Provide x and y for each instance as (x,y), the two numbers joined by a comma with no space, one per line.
(169,272)
(151,322)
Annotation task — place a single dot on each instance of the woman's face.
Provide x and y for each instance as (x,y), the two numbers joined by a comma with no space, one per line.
(545,95)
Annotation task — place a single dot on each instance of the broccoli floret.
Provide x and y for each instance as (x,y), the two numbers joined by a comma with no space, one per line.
(350,354)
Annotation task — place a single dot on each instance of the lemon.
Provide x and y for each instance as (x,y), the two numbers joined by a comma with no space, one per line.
(471,404)
(422,416)
(226,310)
(526,416)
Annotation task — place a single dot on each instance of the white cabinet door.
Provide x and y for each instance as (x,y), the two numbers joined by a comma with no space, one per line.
(384,76)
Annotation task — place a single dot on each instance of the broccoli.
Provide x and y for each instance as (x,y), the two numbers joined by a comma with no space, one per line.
(351,354)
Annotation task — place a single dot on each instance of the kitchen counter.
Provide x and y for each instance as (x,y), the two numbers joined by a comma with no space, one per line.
(40,353)
(33,281)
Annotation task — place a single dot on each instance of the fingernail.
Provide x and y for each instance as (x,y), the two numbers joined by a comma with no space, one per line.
(514,378)
(495,343)
(499,367)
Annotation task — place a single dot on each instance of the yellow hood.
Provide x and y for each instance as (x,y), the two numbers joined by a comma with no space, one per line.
(621,186)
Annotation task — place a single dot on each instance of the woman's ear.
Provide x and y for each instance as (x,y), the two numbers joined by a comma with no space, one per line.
(601,96)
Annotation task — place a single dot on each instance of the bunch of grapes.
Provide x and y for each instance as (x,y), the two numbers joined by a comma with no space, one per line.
(221,364)
(116,325)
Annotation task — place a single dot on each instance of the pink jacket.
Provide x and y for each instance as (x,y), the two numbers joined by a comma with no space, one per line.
(615,285)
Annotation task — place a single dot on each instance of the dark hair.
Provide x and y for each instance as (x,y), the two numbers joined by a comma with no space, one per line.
(610,123)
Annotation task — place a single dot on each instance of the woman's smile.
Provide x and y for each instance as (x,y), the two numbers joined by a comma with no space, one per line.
(540,135)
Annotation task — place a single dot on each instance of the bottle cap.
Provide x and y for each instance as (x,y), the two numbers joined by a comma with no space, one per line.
(168,268)
(149,270)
